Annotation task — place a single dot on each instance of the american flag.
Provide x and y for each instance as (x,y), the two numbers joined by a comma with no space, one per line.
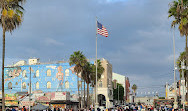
(101,30)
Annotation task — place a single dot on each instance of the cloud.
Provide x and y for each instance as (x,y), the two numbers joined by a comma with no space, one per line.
(139,42)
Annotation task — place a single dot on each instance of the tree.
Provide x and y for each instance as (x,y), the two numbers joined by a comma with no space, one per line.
(134,88)
(179,11)
(87,71)
(181,58)
(11,18)
(100,70)
(79,60)
(121,92)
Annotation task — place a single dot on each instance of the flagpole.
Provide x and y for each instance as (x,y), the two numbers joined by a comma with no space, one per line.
(96,98)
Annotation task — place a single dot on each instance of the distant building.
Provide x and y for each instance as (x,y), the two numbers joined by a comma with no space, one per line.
(127,85)
(146,100)
(124,81)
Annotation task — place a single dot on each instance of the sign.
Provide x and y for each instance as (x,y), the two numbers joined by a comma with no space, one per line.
(26,104)
(60,96)
(59,105)
(43,99)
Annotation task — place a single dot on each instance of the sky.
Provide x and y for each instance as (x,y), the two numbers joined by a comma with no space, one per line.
(139,45)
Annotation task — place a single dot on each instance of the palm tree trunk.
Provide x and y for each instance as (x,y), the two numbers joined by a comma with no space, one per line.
(87,95)
(3,63)
(78,93)
(84,93)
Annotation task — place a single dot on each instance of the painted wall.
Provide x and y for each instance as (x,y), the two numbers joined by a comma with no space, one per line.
(61,74)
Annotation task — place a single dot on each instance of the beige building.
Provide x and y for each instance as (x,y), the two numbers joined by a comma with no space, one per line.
(146,100)
(105,90)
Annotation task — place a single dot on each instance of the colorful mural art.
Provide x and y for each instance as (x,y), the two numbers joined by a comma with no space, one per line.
(44,77)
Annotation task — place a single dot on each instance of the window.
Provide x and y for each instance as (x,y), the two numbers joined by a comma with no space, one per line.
(24,73)
(100,83)
(48,85)
(37,85)
(24,85)
(37,73)
(48,72)
(66,84)
(10,85)
(67,72)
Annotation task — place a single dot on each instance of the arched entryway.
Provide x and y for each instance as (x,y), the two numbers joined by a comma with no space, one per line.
(101,100)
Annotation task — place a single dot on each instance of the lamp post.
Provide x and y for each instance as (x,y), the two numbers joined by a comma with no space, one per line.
(175,96)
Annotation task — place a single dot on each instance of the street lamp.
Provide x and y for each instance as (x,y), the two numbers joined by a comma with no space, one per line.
(175,96)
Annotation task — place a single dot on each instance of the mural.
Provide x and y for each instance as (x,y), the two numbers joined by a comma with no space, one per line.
(44,77)
(59,76)
(11,73)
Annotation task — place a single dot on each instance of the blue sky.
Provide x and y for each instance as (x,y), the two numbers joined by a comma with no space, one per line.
(139,44)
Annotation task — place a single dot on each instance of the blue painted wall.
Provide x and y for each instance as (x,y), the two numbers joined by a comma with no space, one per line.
(15,75)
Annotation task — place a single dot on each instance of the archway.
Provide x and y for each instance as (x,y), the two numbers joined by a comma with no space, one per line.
(101,100)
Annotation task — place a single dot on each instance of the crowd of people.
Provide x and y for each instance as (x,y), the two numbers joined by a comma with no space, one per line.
(130,107)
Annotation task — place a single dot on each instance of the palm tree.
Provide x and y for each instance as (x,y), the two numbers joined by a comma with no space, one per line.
(134,87)
(87,71)
(179,11)
(100,70)
(11,18)
(181,58)
(79,60)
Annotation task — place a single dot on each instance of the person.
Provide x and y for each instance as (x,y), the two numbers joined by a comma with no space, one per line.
(54,109)
(24,109)
(58,109)
(13,109)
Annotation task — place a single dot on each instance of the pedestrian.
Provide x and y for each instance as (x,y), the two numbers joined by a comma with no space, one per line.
(13,109)
(24,109)
(54,108)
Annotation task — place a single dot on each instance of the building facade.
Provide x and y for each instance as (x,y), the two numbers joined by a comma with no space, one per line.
(48,77)
(55,77)
(146,100)
(121,79)
(105,90)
